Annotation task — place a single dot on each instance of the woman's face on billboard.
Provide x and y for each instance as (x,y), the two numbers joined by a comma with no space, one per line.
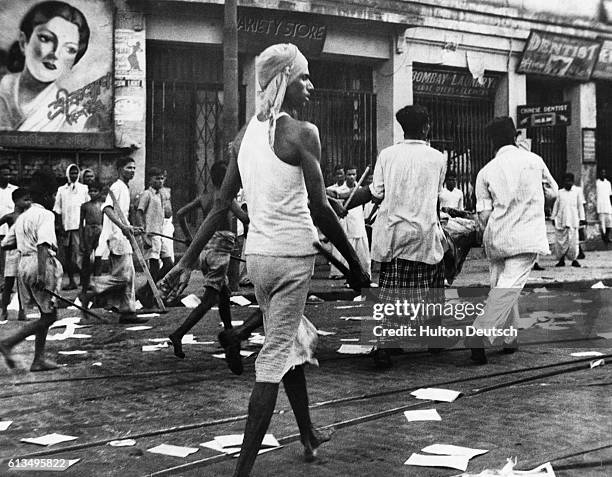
(51,50)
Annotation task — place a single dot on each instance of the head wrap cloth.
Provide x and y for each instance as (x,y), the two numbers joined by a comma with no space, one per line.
(277,67)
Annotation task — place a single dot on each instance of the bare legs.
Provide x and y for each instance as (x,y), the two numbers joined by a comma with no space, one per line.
(261,407)
(210,298)
(39,329)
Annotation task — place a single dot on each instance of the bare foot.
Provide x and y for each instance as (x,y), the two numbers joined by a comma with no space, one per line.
(178,346)
(43,365)
(317,437)
(6,352)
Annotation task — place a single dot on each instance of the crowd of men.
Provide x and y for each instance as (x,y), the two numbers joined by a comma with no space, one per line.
(275,159)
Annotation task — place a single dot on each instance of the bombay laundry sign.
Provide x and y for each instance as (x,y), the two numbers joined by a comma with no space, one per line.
(603,68)
(258,29)
(452,83)
(560,56)
(530,116)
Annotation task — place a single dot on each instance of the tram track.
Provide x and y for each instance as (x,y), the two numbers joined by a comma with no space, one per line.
(566,367)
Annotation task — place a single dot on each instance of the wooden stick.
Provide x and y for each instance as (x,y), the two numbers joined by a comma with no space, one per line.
(337,263)
(350,197)
(138,253)
(83,309)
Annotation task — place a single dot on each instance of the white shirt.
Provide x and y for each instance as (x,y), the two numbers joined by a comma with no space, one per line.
(33,227)
(118,243)
(452,199)
(279,218)
(510,185)
(604,191)
(6,204)
(568,210)
(409,176)
(68,203)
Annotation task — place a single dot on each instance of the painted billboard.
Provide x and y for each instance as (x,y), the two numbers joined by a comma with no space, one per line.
(56,72)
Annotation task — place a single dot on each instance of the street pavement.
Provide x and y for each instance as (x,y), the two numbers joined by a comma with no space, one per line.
(540,404)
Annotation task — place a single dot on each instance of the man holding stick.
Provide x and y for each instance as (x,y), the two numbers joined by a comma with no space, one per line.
(115,232)
(354,222)
(278,158)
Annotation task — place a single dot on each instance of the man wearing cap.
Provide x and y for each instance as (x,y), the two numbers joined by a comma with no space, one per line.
(277,158)
(510,206)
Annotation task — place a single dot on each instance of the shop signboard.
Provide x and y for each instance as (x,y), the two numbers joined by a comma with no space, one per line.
(431,82)
(560,56)
(258,29)
(534,116)
(603,67)
(65,96)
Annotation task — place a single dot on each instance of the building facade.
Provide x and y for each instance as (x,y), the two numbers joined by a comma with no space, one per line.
(547,64)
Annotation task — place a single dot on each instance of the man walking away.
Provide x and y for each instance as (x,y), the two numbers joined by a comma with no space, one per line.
(510,206)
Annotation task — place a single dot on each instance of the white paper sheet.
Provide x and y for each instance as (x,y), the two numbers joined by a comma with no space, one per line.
(349,340)
(436,394)
(243,353)
(449,449)
(240,300)
(14,304)
(345,307)
(355,318)
(4,425)
(149,315)
(235,440)
(597,362)
(3,322)
(453,461)
(138,328)
(155,347)
(586,354)
(599,285)
(175,451)
(97,363)
(73,352)
(607,336)
(237,322)
(214,445)
(422,415)
(325,333)
(544,470)
(48,439)
(355,349)
(191,301)
(122,443)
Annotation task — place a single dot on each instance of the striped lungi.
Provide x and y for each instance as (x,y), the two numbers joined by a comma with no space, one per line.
(281,287)
(414,282)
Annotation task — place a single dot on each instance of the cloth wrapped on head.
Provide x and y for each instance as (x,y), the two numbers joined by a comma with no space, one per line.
(277,67)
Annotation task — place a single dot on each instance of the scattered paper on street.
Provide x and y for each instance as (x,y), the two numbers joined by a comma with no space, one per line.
(345,307)
(355,349)
(3,322)
(449,449)
(240,300)
(349,340)
(354,318)
(48,439)
(586,354)
(436,394)
(325,333)
(191,301)
(214,445)
(237,322)
(148,315)
(597,362)
(4,425)
(453,461)
(138,305)
(540,290)
(139,328)
(607,336)
(175,451)
(73,352)
(235,440)
(582,300)
(97,363)
(422,415)
(122,443)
